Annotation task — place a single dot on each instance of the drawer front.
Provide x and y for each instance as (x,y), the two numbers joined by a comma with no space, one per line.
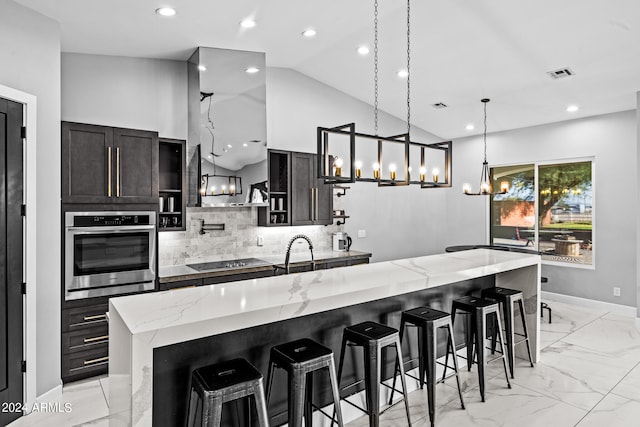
(180,284)
(85,364)
(86,338)
(236,277)
(84,316)
(358,261)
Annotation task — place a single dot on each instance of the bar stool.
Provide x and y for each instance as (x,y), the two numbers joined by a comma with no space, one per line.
(224,382)
(428,321)
(301,358)
(478,310)
(543,305)
(507,298)
(373,337)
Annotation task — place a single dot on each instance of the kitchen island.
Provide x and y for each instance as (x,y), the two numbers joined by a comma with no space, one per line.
(156,339)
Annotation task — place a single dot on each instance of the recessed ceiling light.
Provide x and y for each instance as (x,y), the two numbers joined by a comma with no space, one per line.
(245,144)
(363,50)
(403,73)
(248,23)
(309,33)
(252,70)
(572,108)
(229,145)
(470,126)
(202,67)
(166,11)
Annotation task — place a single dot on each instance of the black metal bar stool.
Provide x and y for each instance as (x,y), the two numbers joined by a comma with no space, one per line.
(507,299)
(373,337)
(478,310)
(301,358)
(428,321)
(224,382)
(543,305)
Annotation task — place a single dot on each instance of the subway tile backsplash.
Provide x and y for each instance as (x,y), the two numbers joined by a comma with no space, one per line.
(238,240)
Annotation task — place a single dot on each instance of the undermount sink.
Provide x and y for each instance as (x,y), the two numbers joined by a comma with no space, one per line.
(228,264)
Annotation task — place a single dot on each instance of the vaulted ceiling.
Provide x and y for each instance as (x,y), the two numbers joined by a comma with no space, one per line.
(461,50)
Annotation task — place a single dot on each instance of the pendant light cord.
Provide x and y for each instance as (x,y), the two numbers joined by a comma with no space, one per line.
(375,67)
(485,129)
(408,69)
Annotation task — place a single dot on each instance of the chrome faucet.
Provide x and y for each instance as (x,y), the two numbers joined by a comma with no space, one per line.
(293,239)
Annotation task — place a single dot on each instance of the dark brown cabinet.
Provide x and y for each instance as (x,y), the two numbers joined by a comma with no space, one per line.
(173,184)
(85,341)
(296,195)
(311,198)
(102,164)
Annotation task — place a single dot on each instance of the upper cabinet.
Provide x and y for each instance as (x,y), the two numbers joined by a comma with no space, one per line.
(296,195)
(101,164)
(227,143)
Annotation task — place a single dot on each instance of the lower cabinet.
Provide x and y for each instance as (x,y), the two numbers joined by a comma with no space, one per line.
(85,341)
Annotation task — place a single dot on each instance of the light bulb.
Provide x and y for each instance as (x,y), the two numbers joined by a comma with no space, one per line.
(466,188)
(504,186)
(338,162)
(392,171)
(376,170)
(423,172)
(435,173)
(358,168)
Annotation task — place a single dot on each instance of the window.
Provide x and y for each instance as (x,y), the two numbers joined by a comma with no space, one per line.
(549,207)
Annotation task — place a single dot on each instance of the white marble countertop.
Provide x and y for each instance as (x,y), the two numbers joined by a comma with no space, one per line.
(138,324)
(272,299)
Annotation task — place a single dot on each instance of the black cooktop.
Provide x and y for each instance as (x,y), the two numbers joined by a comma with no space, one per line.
(228,264)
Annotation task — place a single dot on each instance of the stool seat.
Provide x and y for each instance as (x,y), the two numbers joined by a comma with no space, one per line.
(499,294)
(422,315)
(369,331)
(226,374)
(299,351)
(470,303)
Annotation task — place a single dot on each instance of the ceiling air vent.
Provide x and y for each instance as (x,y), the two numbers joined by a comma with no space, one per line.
(560,73)
(439,105)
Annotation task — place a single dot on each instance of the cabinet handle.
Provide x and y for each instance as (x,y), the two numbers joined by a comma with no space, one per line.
(311,205)
(316,204)
(96,317)
(109,171)
(94,339)
(94,361)
(117,171)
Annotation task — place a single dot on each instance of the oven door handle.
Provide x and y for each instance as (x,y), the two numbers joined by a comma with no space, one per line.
(91,230)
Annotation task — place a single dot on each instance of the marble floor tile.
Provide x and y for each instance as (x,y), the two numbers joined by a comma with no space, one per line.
(104,383)
(568,318)
(610,334)
(517,406)
(629,387)
(575,375)
(85,401)
(613,411)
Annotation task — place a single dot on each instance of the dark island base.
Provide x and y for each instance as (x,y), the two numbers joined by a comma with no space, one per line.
(173,364)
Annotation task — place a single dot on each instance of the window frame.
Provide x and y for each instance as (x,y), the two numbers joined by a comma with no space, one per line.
(536,170)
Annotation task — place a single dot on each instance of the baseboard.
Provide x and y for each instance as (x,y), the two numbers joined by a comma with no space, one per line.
(623,310)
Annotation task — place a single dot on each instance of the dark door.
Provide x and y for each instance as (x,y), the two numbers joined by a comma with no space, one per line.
(11,391)
(302,188)
(87,155)
(136,157)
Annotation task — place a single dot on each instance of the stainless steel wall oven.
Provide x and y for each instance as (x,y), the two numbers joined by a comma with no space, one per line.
(109,253)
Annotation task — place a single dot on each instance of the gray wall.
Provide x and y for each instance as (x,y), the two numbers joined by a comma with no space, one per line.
(611,141)
(136,93)
(30,62)
(637,182)
(399,222)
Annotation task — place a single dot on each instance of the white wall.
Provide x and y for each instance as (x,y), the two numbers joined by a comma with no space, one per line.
(136,93)
(399,222)
(611,139)
(30,62)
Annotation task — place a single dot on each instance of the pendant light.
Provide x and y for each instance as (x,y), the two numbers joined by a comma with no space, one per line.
(485,178)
